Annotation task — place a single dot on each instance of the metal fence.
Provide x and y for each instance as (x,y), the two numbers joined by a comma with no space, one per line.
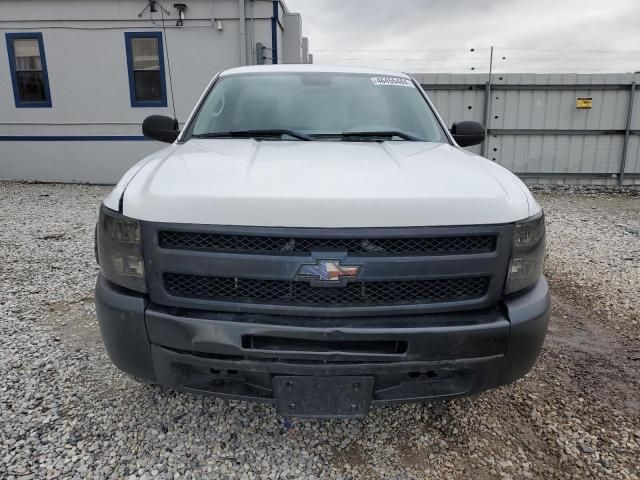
(536,130)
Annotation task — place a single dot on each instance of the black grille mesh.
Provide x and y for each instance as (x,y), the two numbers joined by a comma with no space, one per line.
(302,246)
(302,293)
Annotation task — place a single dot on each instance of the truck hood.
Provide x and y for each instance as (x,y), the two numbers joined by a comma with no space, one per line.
(322,184)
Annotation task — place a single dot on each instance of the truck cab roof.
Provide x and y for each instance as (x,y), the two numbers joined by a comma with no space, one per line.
(300,68)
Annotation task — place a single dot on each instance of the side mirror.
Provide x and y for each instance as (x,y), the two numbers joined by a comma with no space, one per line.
(467,133)
(161,128)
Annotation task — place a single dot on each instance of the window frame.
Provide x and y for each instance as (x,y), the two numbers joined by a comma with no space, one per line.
(10,37)
(128,37)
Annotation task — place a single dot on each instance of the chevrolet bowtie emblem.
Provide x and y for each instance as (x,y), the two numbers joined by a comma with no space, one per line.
(328,272)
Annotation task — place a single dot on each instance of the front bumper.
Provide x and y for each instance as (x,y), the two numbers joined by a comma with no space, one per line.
(415,357)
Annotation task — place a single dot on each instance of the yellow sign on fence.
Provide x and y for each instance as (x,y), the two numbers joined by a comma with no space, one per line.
(584,103)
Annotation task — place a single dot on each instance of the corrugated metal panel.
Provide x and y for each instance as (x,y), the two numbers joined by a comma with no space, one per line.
(633,155)
(635,120)
(517,105)
(557,153)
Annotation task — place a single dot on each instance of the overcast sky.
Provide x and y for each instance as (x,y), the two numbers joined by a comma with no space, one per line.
(438,35)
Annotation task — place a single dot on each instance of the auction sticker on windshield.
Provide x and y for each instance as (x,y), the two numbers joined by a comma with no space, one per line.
(393,81)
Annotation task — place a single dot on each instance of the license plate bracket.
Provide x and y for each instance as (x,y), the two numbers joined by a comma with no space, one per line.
(308,396)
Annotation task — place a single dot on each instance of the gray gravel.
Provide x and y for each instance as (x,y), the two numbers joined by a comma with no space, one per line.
(66,412)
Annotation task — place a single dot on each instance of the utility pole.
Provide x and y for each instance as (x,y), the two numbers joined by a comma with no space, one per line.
(487,105)
(490,64)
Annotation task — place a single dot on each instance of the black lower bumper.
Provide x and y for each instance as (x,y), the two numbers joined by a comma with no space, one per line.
(245,356)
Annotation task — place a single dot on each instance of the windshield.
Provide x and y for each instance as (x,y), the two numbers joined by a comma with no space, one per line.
(316,106)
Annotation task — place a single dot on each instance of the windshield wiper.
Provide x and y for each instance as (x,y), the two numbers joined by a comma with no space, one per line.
(255,133)
(391,133)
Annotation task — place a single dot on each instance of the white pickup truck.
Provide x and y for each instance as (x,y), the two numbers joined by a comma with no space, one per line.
(316,238)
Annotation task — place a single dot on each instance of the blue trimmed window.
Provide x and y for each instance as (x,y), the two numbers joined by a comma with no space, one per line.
(28,67)
(145,61)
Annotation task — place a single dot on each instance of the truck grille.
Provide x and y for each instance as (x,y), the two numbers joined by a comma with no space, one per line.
(303,294)
(304,245)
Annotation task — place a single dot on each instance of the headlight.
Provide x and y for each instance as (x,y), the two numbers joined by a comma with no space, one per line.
(527,254)
(119,248)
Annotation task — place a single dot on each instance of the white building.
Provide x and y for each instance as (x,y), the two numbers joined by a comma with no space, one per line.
(77,77)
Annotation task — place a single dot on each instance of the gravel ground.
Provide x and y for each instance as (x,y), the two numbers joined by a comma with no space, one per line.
(66,412)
